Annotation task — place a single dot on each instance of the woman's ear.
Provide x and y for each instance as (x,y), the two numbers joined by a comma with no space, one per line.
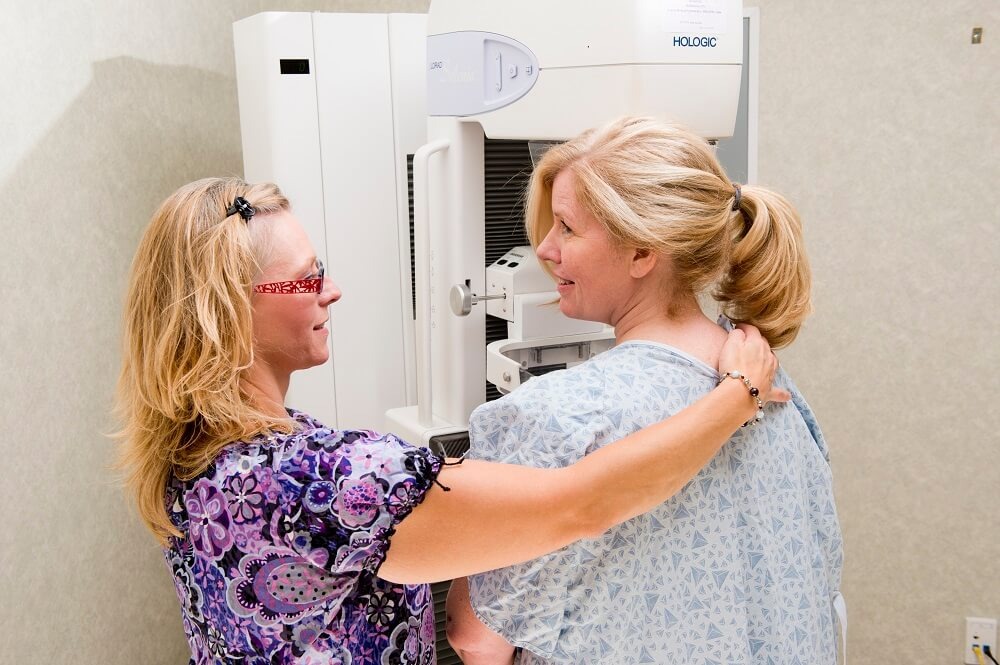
(642,262)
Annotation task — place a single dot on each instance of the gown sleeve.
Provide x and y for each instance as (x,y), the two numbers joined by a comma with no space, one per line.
(537,425)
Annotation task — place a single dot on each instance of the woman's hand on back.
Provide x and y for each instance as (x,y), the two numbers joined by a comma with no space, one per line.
(748,352)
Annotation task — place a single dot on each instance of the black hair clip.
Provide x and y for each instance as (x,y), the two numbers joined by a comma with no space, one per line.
(242,206)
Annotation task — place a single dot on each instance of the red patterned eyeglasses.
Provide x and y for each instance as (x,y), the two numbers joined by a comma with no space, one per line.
(307,285)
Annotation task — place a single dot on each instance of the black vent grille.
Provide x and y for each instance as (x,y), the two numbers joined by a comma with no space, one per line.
(450,445)
(409,198)
(445,654)
(545,369)
(507,172)
(496,328)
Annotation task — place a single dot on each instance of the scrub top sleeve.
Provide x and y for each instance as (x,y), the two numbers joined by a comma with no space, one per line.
(354,488)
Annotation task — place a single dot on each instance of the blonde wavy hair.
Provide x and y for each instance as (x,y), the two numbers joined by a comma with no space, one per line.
(188,339)
(659,187)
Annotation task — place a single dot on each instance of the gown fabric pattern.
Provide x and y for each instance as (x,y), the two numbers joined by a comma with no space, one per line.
(740,567)
(284,535)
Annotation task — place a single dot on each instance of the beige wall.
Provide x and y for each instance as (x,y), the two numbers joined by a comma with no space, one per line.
(878,119)
(882,122)
(107,107)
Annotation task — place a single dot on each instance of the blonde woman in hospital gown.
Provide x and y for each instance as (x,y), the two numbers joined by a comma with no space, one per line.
(635,221)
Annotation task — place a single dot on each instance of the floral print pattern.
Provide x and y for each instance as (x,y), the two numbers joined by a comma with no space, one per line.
(209,519)
(244,498)
(283,536)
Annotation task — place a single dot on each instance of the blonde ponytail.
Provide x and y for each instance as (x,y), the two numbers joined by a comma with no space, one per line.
(767,281)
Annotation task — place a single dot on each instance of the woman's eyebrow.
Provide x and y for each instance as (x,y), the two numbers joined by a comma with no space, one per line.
(307,267)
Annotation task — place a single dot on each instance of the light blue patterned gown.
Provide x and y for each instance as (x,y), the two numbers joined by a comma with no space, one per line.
(740,567)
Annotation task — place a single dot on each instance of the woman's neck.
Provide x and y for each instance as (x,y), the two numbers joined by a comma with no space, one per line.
(681,325)
(266,388)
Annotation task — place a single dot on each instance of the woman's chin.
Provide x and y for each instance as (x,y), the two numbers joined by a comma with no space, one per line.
(569,311)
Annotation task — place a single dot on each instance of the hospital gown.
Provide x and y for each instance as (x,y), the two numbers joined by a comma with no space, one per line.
(740,567)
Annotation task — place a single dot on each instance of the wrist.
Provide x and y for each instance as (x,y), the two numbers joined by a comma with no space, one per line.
(747,406)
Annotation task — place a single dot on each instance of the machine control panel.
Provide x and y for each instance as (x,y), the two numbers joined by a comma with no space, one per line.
(472,72)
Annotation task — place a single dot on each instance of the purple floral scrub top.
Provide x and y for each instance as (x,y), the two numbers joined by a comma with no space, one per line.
(284,536)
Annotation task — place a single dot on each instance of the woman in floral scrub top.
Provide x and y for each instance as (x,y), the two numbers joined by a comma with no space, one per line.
(276,529)
(285,533)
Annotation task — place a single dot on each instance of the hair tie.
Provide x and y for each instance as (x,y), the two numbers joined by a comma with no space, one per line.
(737,199)
(243,207)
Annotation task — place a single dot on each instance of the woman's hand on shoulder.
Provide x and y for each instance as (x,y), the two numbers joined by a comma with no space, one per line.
(747,352)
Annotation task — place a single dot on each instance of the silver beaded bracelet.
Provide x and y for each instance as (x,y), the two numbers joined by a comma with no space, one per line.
(736,374)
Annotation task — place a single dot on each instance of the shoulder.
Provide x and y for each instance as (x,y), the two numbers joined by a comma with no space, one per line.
(619,373)
(799,409)
(325,453)
(552,420)
(649,355)
(288,462)
(642,380)
(546,422)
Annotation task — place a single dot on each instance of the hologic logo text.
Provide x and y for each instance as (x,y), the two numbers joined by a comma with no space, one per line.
(710,42)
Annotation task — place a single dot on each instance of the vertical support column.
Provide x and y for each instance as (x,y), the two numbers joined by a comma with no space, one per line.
(458,250)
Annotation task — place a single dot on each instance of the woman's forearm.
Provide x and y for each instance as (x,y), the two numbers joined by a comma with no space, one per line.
(499,514)
(651,465)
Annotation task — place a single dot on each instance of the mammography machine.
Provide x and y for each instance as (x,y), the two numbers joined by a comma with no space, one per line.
(535,71)
(404,142)
(335,109)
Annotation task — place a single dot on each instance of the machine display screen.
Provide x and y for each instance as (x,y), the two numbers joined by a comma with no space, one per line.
(296,66)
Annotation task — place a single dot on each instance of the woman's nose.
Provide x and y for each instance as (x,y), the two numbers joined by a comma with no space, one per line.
(547,249)
(330,293)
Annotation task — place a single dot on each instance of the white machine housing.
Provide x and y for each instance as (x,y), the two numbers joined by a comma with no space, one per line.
(550,70)
(538,334)
(537,71)
(330,106)
(336,131)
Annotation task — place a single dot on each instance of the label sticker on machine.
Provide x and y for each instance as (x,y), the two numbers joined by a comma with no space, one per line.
(695,16)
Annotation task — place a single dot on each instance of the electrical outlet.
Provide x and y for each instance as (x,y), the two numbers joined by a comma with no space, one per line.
(982,632)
